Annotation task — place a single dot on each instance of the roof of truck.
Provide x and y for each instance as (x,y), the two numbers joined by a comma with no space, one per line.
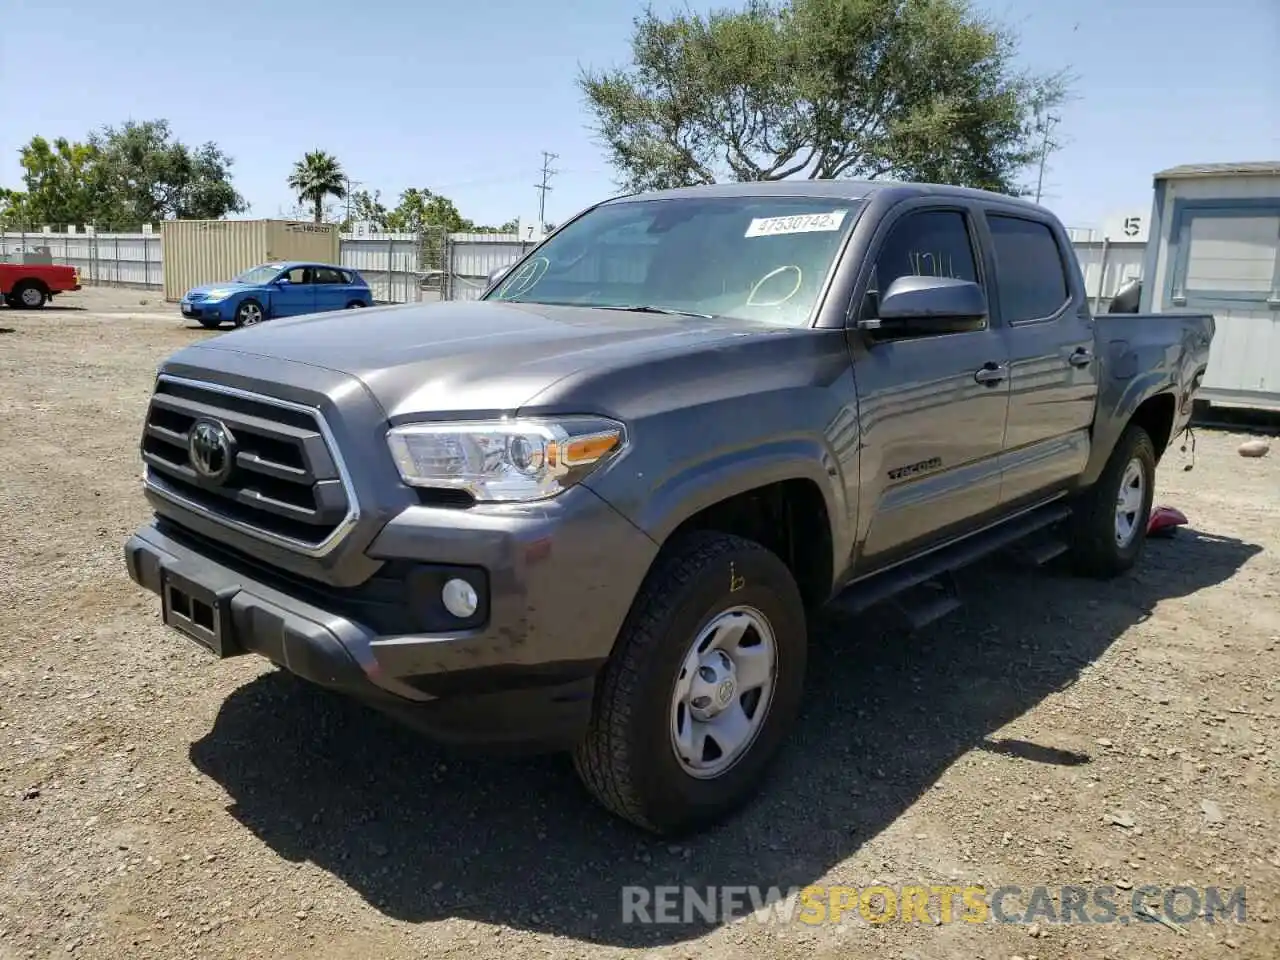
(823,189)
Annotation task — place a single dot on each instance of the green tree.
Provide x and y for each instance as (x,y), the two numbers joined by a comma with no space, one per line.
(149,176)
(63,184)
(121,178)
(367,207)
(912,89)
(316,176)
(420,208)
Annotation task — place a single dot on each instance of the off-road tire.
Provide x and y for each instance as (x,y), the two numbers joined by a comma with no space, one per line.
(1094,550)
(627,761)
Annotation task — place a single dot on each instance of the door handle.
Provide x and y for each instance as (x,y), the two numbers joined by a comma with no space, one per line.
(1080,358)
(990,373)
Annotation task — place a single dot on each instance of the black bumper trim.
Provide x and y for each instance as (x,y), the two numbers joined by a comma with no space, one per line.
(343,655)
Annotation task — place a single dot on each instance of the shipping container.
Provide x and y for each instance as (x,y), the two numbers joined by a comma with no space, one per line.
(196,252)
(1215,248)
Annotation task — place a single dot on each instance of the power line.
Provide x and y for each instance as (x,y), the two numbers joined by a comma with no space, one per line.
(544,186)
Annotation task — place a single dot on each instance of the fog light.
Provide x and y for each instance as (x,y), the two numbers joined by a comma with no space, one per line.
(459,598)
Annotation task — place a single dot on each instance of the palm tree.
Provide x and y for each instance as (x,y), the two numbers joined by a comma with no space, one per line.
(316,176)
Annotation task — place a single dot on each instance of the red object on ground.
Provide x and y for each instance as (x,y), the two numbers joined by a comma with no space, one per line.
(1164,521)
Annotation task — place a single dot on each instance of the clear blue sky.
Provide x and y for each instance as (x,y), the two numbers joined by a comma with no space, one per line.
(462,98)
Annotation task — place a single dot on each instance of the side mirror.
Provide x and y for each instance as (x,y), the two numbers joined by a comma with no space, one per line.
(497,274)
(928,305)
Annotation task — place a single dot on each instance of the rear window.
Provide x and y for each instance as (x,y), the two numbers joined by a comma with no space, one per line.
(1032,280)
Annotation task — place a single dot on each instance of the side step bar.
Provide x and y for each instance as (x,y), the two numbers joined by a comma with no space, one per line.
(940,563)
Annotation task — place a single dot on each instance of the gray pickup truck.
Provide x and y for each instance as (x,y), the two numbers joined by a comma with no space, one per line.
(590,511)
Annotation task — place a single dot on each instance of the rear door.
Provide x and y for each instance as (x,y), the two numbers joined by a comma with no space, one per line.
(931,406)
(295,293)
(1048,333)
(332,290)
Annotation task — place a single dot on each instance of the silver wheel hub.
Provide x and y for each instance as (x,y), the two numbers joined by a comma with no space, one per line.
(30,297)
(723,692)
(1129,502)
(250,314)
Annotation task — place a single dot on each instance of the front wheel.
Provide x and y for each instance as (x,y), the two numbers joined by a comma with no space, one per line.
(703,685)
(249,313)
(1109,527)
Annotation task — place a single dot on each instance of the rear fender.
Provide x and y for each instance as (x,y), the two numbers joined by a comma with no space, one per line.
(1126,387)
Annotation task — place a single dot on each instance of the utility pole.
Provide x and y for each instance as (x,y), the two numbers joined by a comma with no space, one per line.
(349,184)
(544,186)
(1046,127)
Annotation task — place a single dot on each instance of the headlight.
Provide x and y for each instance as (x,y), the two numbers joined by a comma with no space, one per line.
(217,295)
(504,460)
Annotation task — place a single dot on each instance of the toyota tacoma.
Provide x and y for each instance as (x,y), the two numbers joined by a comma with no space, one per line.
(591,510)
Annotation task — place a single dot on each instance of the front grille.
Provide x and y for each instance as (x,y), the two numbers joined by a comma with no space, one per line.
(284,483)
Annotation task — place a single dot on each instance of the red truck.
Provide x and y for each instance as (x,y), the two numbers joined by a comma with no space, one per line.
(29,286)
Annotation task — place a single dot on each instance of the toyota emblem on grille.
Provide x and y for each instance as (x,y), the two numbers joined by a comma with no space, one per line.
(211,450)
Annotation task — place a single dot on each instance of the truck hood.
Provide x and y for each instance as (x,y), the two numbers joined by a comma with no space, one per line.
(480,358)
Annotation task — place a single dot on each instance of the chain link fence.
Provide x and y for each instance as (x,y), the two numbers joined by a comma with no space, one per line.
(432,264)
(110,259)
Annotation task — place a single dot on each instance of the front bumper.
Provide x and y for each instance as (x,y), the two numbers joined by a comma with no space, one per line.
(554,591)
(205,310)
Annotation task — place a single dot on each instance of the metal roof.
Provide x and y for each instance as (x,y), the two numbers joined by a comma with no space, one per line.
(1259,168)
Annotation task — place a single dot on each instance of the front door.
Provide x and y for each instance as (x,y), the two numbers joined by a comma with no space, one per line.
(295,293)
(931,406)
(1053,373)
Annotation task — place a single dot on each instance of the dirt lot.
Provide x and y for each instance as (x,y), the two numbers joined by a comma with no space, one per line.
(154,803)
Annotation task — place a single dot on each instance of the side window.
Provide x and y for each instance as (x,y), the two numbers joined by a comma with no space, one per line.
(298,275)
(329,275)
(930,243)
(1032,283)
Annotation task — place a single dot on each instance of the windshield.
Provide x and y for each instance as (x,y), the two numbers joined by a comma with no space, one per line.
(749,258)
(260,275)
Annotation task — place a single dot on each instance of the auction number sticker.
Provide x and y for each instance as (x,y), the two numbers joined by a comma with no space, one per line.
(800,223)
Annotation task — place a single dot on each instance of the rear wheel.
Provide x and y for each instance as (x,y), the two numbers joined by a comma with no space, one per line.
(704,683)
(1109,528)
(248,313)
(355,305)
(28,296)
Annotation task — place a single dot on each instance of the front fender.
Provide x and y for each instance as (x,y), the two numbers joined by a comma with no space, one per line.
(695,486)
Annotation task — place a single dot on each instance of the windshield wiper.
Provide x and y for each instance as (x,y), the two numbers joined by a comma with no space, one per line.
(647,308)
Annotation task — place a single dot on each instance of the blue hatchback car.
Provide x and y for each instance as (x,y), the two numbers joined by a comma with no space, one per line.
(276,290)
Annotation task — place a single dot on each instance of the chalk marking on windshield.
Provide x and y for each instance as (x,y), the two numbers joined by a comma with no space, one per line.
(800,223)
(525,278)
(751,297)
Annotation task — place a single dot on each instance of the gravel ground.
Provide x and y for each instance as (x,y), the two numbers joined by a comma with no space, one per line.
(154,803)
